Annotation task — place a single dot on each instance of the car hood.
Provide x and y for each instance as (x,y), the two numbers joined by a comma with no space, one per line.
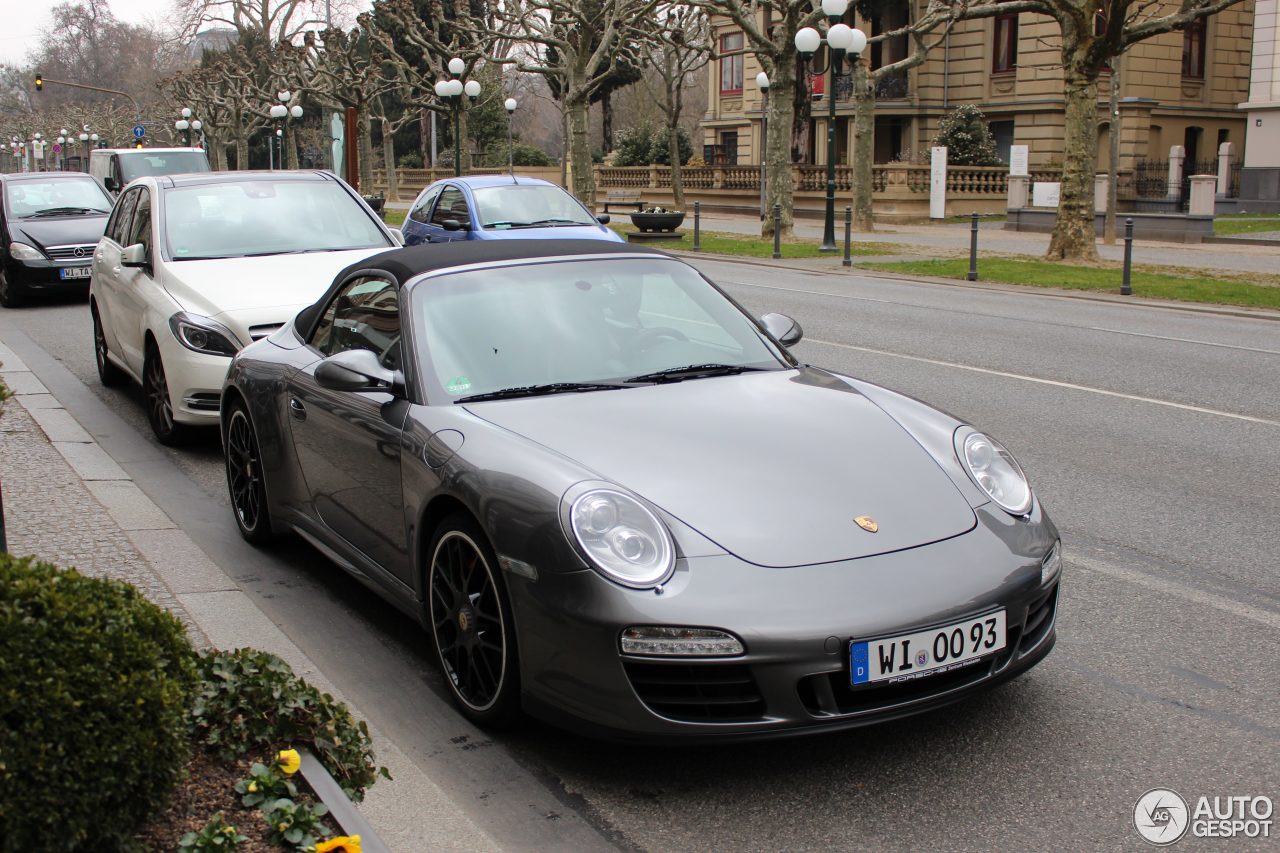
(84,230)
(559,232)
(773,467)
(285,282)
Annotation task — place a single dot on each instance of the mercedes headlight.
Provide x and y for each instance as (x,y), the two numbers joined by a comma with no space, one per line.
(622,538)
(23,252)
(201,334)
(995,471)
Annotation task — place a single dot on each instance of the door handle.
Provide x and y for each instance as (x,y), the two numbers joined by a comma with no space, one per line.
(296,409)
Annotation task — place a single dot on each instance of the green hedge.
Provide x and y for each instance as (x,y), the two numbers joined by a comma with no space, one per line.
(95,682)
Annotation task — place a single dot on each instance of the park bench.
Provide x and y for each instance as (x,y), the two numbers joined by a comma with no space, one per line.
(625,198)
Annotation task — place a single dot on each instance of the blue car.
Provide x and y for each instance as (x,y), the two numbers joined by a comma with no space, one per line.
(500,207)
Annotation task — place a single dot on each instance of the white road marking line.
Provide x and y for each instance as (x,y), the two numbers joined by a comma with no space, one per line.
(1183,340)
(1068,385)
(1171,587)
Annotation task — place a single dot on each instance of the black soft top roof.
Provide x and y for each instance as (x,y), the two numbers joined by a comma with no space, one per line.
(407,263)
(404,264)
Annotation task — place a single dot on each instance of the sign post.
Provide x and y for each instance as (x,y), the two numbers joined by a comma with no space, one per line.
(938,182)
(1019,156)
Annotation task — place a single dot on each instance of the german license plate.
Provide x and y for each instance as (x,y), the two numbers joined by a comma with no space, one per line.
(74,272)
(937,650)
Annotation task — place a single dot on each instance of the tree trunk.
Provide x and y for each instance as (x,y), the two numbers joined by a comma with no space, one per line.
(673,152)
(242,150)
(864,105)
(424,137)
(389,161)
(1074,236)
(584,186)
(780,188)
(606,121)
(291,146)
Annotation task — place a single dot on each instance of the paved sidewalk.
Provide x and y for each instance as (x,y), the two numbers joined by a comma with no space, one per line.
(68,502)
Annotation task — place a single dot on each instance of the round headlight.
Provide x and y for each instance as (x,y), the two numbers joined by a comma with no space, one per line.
(623,538)
(995,471)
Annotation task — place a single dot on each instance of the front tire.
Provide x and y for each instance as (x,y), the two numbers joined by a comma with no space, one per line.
(155,391)
(110,375)
(471,624)
(245,478)
(12,294)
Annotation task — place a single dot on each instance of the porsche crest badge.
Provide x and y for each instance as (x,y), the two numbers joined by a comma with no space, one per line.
(867,523)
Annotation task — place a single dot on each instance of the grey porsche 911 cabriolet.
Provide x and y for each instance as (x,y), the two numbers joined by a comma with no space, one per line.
(617,502)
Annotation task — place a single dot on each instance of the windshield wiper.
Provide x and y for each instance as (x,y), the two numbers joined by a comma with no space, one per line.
(539,390)
(693,371)
(560,222)
(63,211)
(507,224)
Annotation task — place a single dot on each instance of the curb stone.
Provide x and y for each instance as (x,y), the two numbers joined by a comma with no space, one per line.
(70,503)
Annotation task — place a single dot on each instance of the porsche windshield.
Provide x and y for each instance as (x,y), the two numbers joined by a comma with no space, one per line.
(246,218)
(580,325)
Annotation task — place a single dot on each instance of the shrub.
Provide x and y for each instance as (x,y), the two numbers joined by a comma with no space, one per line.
(249,698)
(660,149)
(94,685)
(409,160)
(521,155)
(643,146)
(968,139)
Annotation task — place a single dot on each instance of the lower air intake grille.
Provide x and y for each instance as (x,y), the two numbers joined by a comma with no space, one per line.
(697,692)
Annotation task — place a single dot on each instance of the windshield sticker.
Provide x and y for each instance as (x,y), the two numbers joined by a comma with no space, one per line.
(458,384)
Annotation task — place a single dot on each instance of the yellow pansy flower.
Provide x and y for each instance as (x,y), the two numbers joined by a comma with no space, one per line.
(345,843)
(289,761)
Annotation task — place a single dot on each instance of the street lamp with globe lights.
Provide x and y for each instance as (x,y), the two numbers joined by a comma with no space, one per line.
(841,39)
(84,146)
(510,104)
(183,125)
(452,91)
(277,113)
(762,82)
(97,142)
(62,150)
(37,150)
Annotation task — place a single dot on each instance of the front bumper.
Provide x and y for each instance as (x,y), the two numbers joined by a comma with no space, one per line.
(796,625)
(46,275)
(194,379)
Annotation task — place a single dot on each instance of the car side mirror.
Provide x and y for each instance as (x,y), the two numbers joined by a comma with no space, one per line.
(358,370)
(110,183)
(786,330)
(603,219)
(397,235)
(453,225)
(134,256)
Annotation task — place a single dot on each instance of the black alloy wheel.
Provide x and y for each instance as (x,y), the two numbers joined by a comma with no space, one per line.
(155,390)
(245,478)
(471,624)
(11,293)
(110,375)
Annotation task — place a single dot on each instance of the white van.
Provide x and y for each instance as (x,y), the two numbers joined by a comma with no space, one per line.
(116,167)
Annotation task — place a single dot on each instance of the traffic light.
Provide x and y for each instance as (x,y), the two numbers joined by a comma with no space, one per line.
(39,82)
(139,144)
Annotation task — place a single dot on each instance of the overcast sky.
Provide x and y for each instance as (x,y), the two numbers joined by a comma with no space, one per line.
(21,30)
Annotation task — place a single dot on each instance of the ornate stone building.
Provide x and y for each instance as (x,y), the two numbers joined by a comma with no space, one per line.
(1175,89)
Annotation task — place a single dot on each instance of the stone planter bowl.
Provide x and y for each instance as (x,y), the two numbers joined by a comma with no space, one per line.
(657,221)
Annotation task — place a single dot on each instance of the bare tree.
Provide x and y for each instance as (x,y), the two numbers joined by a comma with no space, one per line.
(579,43)
(684,46)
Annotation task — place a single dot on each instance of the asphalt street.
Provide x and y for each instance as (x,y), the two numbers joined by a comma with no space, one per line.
(1151,434)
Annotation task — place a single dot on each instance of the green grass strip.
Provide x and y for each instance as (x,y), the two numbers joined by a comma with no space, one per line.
(1246,223)
(1154,285)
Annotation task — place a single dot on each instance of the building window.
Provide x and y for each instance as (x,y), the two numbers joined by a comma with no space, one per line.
(729,147)
(731,64)
(1005,55)
(1193,40)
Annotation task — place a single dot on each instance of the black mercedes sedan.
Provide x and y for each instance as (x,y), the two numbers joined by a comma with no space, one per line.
(50,223)
(617,501)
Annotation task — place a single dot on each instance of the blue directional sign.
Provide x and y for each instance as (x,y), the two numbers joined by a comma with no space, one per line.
(139,131)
